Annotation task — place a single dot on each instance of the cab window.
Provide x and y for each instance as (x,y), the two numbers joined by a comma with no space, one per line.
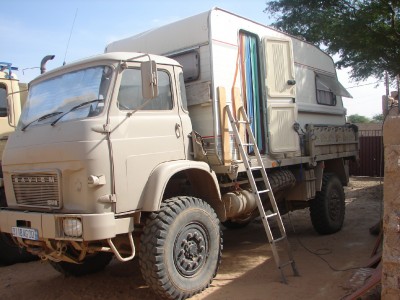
(3,101)
(130,92)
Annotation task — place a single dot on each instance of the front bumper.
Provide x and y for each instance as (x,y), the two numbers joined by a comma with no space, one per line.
(95,227)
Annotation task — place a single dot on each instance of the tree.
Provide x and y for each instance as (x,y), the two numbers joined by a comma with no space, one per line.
(378,118)
(357,119)
(364,33)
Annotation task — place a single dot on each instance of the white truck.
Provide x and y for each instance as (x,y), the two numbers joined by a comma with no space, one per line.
(12,96)
(130,150)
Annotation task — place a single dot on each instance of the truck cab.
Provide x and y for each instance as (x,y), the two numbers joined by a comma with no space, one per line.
(10,101)
(88,133)
(100,145)
(12,96)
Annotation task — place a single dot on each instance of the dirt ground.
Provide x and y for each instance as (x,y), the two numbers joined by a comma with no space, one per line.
(247,271)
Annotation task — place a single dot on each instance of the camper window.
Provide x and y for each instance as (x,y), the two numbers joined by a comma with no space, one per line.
(130,92)
(3,101)
(324,94)
(190,62)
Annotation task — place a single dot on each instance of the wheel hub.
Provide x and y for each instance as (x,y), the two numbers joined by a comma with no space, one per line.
(190,249)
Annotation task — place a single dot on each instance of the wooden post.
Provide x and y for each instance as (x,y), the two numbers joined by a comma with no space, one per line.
(237,104)
(225,136)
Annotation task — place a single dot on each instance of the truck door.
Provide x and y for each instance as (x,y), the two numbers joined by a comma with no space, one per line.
(144,138)
(10,107)
(281,92)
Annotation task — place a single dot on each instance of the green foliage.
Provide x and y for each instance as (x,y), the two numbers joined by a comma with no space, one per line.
(358,119)
(364,33)
(378,118)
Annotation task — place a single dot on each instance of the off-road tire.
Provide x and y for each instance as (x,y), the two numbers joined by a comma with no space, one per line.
(180,248)
(327,210)
(91,264)
(11,253)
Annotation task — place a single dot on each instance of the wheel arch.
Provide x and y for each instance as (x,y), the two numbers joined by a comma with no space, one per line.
(202,180)
(339,167)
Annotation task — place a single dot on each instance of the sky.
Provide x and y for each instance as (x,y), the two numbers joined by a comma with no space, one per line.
(75,29)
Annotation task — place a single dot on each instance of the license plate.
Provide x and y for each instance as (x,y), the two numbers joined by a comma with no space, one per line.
(25,233)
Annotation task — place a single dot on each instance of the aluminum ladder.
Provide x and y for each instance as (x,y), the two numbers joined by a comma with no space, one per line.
(266,218)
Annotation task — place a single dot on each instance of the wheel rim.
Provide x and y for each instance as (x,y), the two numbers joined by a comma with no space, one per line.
(334,205)
(191,249)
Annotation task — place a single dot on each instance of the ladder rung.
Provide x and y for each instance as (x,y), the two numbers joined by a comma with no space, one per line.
(271,215)
(286,264)
(247,144)
(279,239)
(263,191)
(256,168)
(242,122)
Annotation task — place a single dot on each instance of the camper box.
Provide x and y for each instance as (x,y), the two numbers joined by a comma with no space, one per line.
(284,82)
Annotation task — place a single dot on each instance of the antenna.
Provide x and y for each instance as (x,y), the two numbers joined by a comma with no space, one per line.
(70,34)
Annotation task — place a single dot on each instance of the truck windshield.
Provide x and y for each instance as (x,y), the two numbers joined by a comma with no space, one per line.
(58,95)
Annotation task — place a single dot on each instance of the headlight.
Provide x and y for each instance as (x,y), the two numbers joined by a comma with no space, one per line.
(72,227)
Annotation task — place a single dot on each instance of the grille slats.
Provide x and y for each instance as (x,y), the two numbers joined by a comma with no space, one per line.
(37,189)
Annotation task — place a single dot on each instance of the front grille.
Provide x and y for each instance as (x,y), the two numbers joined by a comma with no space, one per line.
(41,189)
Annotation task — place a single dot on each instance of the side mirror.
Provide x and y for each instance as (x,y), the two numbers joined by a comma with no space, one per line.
(149,79)
(11,112)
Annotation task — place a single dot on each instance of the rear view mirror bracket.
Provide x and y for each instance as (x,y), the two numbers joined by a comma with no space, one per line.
(149,79)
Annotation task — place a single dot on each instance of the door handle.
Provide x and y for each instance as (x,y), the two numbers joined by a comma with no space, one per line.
(178,130)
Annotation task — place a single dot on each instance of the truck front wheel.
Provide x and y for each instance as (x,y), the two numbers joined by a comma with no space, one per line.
(327,210)
(181,248)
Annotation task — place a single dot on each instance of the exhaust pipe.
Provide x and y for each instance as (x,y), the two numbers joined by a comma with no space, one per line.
(44,61)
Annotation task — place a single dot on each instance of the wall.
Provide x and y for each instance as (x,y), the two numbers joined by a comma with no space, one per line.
(371,162)
(391,219)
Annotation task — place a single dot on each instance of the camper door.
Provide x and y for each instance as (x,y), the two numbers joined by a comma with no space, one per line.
(280,87)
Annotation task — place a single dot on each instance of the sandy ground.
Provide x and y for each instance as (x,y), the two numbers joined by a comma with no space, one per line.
(247,271)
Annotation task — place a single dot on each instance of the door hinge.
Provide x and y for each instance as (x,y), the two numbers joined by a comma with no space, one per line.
(102,129)
(110,198)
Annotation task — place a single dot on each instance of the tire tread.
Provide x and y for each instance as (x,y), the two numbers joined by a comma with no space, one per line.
(318,207)
(150,259)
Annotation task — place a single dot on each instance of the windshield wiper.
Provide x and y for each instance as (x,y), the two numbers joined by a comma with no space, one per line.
(46,116)
(74,108)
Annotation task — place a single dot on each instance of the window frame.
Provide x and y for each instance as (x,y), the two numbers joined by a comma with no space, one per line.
(182,92)
(195,52)
(143,109)
(4,113)
(328,91)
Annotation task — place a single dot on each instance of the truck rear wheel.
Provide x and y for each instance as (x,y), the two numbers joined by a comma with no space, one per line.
(327,210)
(91,264)
(180,248)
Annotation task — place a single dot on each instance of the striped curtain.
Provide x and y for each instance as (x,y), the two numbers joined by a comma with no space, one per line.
(251,85)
